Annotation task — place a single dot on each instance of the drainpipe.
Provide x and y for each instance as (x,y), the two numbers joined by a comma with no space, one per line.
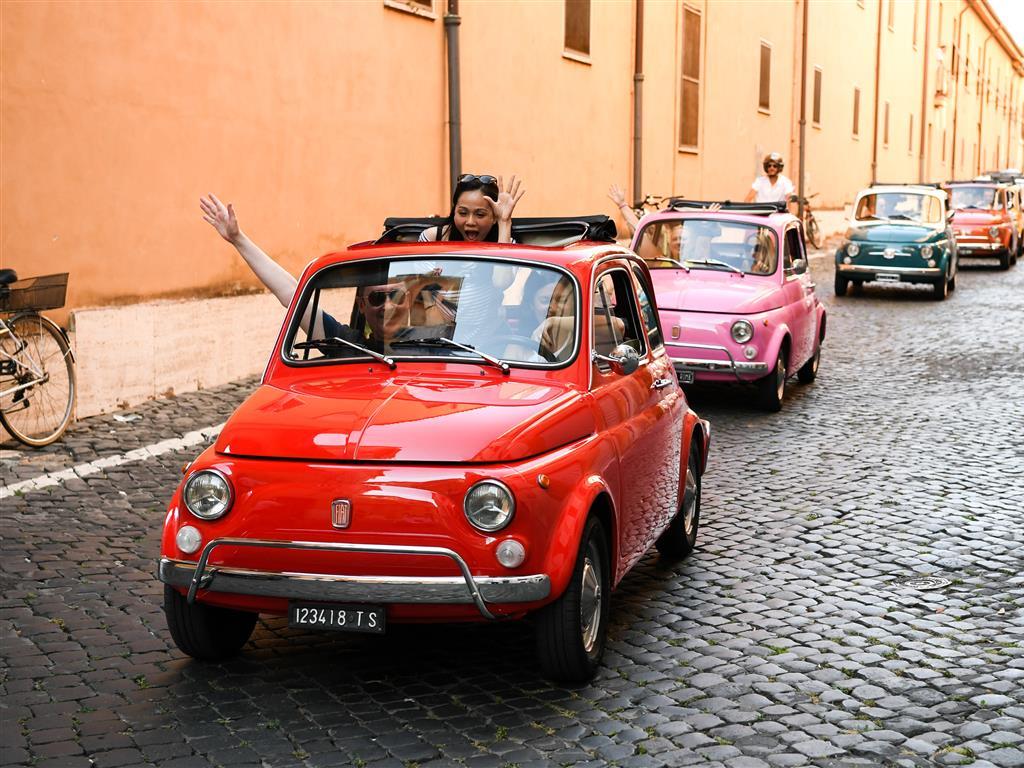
(451,36)
(638,80)
(878,76)
(924,90)
(803,109)
(981,102)
(956,84)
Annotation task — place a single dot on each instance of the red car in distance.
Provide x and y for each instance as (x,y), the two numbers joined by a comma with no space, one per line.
(444,432)
(984,221)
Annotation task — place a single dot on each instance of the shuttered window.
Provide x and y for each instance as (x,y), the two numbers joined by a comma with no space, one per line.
(816,109)
(689,109)
(577,26)
(764,94)
(856,111)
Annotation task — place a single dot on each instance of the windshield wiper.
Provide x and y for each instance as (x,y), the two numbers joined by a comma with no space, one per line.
(716,263)
(674,263)
(442,341)
(901,216)
(334,341)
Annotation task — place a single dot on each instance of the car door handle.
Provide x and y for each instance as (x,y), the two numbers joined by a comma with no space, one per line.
(661,383)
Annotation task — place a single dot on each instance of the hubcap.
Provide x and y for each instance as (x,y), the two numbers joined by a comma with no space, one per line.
(690,503)
(780,378)
(590,603)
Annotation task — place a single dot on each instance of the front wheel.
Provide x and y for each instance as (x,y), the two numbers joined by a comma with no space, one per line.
(571,631)
(1004,259)
(842,284)
(206,632)
(40,385)
(680,538)
(940,289)
(772,388)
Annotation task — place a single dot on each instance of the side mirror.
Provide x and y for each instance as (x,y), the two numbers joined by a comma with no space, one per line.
(624,360)
(800,266)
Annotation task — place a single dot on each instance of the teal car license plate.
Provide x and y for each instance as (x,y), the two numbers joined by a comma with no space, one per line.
(887,278)
(343,618)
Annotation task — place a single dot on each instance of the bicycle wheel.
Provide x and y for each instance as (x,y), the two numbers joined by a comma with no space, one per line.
(39,411)
(812,232)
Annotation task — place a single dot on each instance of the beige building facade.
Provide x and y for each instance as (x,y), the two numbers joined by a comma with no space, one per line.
(319,119)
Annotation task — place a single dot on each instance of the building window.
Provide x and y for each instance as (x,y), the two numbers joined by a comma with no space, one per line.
(816,108)
(910,137)
(856,111)
(577,26)
(764,94)
(916,3)
(943,140)
(885,131)
(892,14)
(689,102)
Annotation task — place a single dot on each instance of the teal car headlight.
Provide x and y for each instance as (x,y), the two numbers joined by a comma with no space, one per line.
(852,249)
(926,251)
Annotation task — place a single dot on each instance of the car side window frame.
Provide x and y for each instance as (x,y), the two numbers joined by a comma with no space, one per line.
(788,260)
(648,311)
(632,309)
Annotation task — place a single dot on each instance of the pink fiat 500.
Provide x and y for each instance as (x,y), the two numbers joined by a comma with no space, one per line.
(735,295)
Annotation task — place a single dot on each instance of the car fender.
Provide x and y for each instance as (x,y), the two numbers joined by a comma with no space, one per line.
(778,334)
(561,558)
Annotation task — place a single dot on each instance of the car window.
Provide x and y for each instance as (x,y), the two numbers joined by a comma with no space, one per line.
(616,320)
(717,244)
(793,252)
(647,311)
(899,206)
(412,308)
(962,197)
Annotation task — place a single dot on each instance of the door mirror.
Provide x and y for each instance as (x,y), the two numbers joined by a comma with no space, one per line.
(799,266)
(624,360)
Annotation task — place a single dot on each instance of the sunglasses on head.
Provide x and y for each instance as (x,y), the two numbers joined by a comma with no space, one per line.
(484,180)
(378,297)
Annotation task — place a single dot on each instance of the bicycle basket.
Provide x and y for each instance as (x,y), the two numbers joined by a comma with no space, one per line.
(38,293)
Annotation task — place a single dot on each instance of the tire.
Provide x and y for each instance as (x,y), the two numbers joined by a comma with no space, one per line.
(680,538)
(813,233)
(38,414)
(772,388)
(940,289)
(952,283)
(809,371)
(1004,259)
(206,632)
(570,646)
(842,283)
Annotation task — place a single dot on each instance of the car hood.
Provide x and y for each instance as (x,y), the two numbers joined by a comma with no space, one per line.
(407,419)
(967,218)
(892,233)
(707,291)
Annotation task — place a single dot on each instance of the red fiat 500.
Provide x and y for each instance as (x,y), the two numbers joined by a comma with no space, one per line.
(444,432)
(983,221)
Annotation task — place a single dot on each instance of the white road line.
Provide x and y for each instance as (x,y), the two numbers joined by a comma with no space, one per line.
(91,468)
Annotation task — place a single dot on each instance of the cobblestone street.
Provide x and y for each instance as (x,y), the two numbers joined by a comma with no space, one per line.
(790,637)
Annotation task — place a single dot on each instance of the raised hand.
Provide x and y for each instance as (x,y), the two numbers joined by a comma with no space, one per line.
(617,196)
(221,217)
(507,199)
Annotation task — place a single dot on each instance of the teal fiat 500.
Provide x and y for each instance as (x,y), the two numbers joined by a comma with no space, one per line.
(899,234)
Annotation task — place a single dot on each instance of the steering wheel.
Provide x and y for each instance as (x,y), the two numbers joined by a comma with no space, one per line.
(525,342)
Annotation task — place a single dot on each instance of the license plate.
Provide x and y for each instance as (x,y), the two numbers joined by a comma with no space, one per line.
(344,618)
(887,278)
(685,377)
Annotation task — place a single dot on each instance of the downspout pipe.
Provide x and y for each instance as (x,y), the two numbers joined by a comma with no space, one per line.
(451,36)
(982,91)
(956,83)
(638,123)
(924,91)
(878,78)
(803,110)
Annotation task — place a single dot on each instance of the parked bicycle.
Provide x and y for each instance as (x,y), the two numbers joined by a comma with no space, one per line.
(811,232)
(37,367)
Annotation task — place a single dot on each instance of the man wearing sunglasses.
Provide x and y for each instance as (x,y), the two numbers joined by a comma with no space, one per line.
(773,187)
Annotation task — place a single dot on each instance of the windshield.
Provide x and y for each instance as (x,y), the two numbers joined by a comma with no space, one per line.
(709,244)
(900,206)
(972,197)
(482,310)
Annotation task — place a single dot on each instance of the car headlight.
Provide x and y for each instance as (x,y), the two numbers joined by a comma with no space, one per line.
(993,232)
(852,249)
(207,494)
(489,505)
(926,251)
(742,331)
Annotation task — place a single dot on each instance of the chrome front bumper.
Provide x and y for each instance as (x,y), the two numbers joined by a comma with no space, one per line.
(453,590)
(966,246)
(700,364)
(858,269)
